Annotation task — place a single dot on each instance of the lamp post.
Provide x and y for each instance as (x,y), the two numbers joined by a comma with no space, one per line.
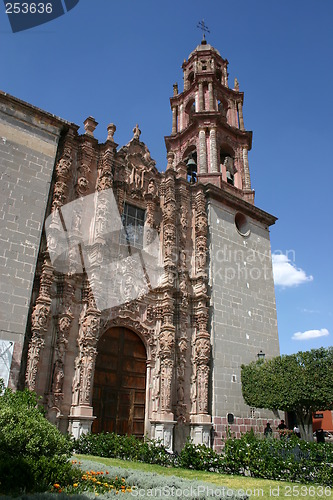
(261,355)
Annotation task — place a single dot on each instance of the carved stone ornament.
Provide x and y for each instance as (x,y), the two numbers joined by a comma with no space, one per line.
(166,378)
(202,384)
(104,182)
(201,253)
(36,345)
(202,350)
(39,317)
(201,224)
(167,342)
(63,167)
(82,186)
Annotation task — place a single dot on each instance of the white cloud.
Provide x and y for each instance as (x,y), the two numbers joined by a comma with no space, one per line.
(286,273)
(310,334)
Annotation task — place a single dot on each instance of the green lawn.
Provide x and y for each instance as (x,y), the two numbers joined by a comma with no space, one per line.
(255,488)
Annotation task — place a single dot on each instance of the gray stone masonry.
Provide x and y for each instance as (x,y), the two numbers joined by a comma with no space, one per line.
(243,310)
(28,147)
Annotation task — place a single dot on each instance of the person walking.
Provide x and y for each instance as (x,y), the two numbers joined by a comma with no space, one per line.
(268,431)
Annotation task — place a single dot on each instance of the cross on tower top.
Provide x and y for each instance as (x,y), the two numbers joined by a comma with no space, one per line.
(203,27)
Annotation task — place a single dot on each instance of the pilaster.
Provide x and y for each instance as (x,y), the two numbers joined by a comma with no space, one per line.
(202,151)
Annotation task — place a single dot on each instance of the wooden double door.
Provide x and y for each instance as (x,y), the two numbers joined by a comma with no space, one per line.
(120,383)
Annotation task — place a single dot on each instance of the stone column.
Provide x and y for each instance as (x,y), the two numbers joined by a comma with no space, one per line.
(39,323)
(196,101)
(225,76)
(201,97)
(201,348)
(211,97)
(174,120)
(213,150)
(181,117)
(81,415)
(202,151)
(246,169)
(240,115)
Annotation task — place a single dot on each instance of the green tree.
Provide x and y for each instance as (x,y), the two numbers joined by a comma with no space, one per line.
(299,382)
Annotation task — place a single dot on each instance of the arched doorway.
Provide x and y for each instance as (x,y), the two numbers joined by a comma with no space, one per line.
(120,383)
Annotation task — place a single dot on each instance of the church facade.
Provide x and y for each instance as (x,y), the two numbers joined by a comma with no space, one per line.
(131,297)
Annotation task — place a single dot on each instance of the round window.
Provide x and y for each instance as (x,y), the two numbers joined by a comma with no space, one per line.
(242,224)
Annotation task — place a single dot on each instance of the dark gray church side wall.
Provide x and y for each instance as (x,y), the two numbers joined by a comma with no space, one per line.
(243,310)
(28,148)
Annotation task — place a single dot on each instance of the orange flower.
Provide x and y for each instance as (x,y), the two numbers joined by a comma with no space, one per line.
(76,485)
(56,485)
(106,472)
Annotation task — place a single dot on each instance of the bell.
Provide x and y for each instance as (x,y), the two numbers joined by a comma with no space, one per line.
(230,178)
(192,170)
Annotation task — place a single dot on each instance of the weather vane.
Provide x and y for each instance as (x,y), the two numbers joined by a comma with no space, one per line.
(203,27)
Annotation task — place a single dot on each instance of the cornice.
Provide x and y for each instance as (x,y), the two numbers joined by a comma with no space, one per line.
(218,194)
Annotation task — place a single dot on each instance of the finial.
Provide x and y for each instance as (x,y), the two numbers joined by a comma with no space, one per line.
(170,157)
(175,89)
(89,125)
(111,131)
(136,132)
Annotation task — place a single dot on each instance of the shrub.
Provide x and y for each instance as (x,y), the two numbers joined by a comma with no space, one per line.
(111,445)
(24,431)
(199,457)
(283,459)
(33,452)
(15,475)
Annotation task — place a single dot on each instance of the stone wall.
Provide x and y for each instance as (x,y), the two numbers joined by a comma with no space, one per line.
(28,147)
(243,310)
(223,430)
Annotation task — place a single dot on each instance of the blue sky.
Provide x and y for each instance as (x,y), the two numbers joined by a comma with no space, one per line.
(117,61)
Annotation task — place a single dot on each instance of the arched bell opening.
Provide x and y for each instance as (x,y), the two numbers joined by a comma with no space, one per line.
(119,391)
(191,161)
(227,165)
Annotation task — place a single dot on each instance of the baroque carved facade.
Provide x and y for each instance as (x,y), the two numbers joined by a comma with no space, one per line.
(129,252)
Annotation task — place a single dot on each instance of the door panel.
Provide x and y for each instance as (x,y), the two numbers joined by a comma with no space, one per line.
(120,383)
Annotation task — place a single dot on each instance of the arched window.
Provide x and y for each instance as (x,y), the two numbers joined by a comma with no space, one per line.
(191,77)
(189,111)
(218,74)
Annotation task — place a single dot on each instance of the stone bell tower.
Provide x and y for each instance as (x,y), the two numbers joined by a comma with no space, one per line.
(209,137)
(207,123)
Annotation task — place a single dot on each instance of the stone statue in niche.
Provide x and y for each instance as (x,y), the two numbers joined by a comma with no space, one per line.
(151,187)
(58,377)
(135,178)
